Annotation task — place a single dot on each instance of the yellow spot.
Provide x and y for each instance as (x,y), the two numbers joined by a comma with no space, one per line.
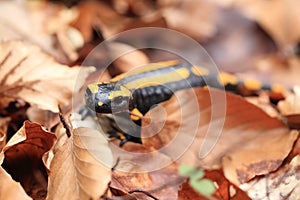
(122,92)
(252,84)
(278,88)
(159,79)
(225,79)
(100,103)
(122,136)
(93,87)
(136,114)
(199,71)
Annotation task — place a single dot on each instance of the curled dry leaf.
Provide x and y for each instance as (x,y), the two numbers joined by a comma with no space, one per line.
(291,105)
(3,131)
(22,158)
(81,168)
(290,108)
(282,184)
(10,189)
(225,130)
(162,184)
(29,74)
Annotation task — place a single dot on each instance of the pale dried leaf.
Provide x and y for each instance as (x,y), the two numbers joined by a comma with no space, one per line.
(127,57)
(3,131)
(291,105)
(283,184)
(80,168)
(29,74)
(10,189)
(193,17)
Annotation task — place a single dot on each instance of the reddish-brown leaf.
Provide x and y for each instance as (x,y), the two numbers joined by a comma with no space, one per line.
(22,158)
(3,131)
(237,132)
(225,190)
(162,184)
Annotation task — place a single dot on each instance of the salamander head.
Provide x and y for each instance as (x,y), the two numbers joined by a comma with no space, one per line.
(108,98)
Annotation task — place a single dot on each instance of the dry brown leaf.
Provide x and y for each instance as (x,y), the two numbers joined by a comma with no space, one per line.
(10,189)
(193,17)
(46,118)
(3,131)
(163,183)
(291,105)
(98,14)
(239,146)
(126,57)
(38,22)
(282,184)
(29,74)
(22,158)
(263,102)
(76,169)
(279,18)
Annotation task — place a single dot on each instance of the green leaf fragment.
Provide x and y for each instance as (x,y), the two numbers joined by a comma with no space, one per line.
(187,170)
(204,186)
(197,175)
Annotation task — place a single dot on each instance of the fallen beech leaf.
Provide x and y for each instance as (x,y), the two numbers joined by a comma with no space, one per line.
(29,74)
(291,105)
(263,102)
(9,189)
(38,22)
(46,118)
(22,158)
(3,131)
(200,15)
(290,108)
(236,144)
(162,184)
(130,56)
(282,184)
(76,170)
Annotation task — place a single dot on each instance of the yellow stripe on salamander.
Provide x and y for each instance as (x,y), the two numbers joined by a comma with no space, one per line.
(159,79)
(199,71)
(122,92)
(145,68)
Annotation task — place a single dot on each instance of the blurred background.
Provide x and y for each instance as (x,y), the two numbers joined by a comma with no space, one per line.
(259,38)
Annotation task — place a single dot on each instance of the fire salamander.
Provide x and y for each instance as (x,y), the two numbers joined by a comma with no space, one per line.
(131,95)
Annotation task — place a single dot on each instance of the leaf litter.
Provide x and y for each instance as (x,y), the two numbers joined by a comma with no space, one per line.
(68,168)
